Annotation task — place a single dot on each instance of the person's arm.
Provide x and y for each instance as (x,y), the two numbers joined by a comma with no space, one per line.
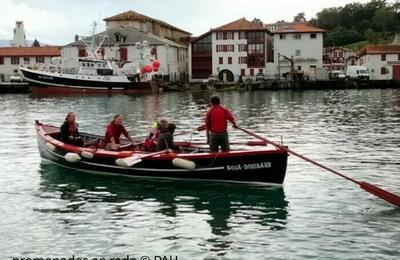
(230,117)
(207,124)
(64,132)
(114,146)
(125,133)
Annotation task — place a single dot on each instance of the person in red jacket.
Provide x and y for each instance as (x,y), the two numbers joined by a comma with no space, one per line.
(113,133)
(216,126)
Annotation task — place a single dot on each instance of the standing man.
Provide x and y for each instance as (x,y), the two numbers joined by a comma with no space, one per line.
(113,133)
(216,126)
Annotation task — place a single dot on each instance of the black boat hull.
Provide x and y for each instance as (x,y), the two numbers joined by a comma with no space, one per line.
(266,167)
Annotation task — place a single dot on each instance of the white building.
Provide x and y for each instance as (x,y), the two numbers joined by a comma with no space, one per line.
(337,58)
(11,58)
(299,42)
(122,34)
(382,61)
(119,45)
(237,49)
(19,38)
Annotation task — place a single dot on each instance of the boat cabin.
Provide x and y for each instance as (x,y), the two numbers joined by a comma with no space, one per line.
(95,67)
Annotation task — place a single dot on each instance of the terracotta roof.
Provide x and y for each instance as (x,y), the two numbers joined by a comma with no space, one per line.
(134,16)
(380,49)
(30,51)
(298,28)
(241,25)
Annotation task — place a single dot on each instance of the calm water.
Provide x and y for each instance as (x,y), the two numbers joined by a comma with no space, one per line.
(49,211)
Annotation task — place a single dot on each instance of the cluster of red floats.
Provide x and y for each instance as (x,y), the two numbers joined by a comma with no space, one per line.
(150,67)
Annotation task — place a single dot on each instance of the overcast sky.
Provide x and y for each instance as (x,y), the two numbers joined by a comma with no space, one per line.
(57,21)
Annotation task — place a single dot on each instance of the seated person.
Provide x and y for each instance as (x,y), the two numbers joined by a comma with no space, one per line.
(166,139)
(69,131)
(150,142)
(113,133)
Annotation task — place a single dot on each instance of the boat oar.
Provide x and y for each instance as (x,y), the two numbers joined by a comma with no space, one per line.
(200,128)
(248,143)
(132,160)
(380,193)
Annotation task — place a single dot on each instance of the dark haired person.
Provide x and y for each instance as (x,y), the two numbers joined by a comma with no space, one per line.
(166,138)
(216,126)
(69,131)
(114,130)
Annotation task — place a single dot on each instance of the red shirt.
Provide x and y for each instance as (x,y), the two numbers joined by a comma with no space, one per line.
(216,119)
(115,131)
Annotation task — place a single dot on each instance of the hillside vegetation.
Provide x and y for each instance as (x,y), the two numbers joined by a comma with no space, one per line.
(374,22)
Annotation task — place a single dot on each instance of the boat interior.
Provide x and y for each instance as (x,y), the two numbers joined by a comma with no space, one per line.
(97,142)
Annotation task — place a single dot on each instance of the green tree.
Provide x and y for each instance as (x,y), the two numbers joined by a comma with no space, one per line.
(384,19)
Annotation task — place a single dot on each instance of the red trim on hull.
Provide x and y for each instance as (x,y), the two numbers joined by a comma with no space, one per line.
(56,90)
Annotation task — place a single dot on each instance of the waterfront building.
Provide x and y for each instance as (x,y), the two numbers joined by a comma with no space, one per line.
(147,24)
(298,48)
(382,61)
(11,58)
(237,49)
(123,33)
(337,58)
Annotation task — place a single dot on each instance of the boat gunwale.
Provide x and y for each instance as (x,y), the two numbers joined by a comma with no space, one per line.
(102,153)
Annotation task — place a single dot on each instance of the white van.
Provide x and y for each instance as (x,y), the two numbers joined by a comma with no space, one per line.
(357,72)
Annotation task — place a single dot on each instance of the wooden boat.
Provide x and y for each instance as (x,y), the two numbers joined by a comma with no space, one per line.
(246,163)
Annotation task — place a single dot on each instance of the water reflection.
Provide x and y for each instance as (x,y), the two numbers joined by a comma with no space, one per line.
(225,205)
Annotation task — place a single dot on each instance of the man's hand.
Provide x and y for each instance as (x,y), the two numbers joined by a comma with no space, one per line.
(114,147)
(234,125)
(201,128)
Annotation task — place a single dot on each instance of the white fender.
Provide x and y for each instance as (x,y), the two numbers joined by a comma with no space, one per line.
(183,163)
(72,157)
(128,161)
(87,154)
(50,146)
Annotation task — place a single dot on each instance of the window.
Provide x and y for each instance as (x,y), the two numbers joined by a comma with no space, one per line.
(398,56)
(242,72)
(39,59)
(220,36)
(229,60)
(297,36)
(255,37)
(383,71)
(230,47)
(313,66)
(255,48)
(26,59)
(14,60)
(242,35)
(1,60)
(298,67)
(229,35)
(383,57)
(242,47)
(221,60)
(82,52)
(202,45)
(335,54)
(251,72)
(282,36)
(242,60)
(260,71)
(340,54)
(313,36)
(298,52)
(220,48)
